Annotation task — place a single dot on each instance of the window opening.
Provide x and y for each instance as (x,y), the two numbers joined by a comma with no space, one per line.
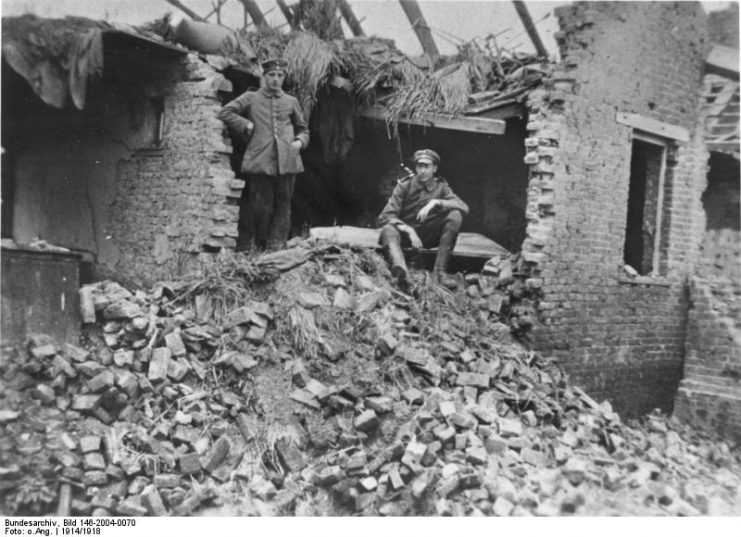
(643,234)
(159,110)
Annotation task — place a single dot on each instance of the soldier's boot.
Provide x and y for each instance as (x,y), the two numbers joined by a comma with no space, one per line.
(399,270)
(448,238)
(391,242)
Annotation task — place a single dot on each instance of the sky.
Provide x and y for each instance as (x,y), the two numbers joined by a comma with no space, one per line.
(451,21)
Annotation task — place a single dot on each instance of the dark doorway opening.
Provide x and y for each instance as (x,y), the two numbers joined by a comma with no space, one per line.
(486,171)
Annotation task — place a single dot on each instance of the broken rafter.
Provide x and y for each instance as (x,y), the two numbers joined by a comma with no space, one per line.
(417,19)
(216,9)
(185,9)
(255,13)
(527,22)
(350,18)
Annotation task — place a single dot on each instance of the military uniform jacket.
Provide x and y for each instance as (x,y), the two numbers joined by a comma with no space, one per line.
(276,121)
(410,195)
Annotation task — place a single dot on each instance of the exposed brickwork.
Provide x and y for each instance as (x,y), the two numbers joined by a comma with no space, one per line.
(178,203)
(710,394)
(720,253)
(623,341)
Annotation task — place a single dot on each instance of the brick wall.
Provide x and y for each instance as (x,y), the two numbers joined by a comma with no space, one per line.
(176,205)
(621,339)
(710,394)
(720,251)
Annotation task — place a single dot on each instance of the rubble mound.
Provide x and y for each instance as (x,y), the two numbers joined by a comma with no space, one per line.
(303,383)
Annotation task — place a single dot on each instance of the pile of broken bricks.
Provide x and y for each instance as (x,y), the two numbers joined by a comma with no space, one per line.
(467,445)
(153,416)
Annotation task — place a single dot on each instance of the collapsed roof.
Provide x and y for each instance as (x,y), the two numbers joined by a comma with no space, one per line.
(59,56)
(481,77)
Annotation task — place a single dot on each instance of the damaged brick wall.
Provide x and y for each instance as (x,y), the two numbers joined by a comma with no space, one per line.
(176,205)
(720,251)
(710,394)
(623,340)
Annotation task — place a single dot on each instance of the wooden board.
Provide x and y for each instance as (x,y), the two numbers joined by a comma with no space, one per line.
(472,245)
(439,121)
(653,126)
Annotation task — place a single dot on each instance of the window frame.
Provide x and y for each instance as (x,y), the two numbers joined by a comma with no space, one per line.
(659,217)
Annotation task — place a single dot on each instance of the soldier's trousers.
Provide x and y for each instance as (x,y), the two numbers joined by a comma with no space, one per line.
(270,209)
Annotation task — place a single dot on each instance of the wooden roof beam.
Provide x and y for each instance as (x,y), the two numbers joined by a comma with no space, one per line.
(350,18)
(527,22)
(417,19)
(442,121)
(185,9)
(255,14)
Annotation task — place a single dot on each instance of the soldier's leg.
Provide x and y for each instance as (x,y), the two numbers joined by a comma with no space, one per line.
(448,238)
(281,224)
(391,243)
(246,225)
(441,231)
(261,206)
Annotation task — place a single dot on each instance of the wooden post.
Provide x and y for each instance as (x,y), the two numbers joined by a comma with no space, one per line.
(255,14)
(185,9)
(527,21)
(350,18)
(414,14)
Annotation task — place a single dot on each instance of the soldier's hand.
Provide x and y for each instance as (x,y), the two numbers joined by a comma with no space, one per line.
(413,237)
(296,144)
(249,128)
(424,212)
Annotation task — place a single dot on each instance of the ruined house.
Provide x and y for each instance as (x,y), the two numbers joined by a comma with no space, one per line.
(595,178)
(119,160)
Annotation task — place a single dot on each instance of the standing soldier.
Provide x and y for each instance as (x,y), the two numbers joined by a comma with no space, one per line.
(272,125)
(424,212)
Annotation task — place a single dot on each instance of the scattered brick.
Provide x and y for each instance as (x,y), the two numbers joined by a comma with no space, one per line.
(366,421)
(159,364)
(152,501)
(215,457)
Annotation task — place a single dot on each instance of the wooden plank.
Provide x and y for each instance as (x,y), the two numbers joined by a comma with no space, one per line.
(653,126)
(723,61)
(724,147)
(439,121)
(469,244)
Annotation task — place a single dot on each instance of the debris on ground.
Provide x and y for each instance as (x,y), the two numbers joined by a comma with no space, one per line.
(304,383)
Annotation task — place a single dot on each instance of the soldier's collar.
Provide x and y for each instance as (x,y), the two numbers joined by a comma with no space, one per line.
(270,94)
(430,184)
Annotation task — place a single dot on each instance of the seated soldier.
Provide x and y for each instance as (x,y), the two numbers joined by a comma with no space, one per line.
(423,211)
